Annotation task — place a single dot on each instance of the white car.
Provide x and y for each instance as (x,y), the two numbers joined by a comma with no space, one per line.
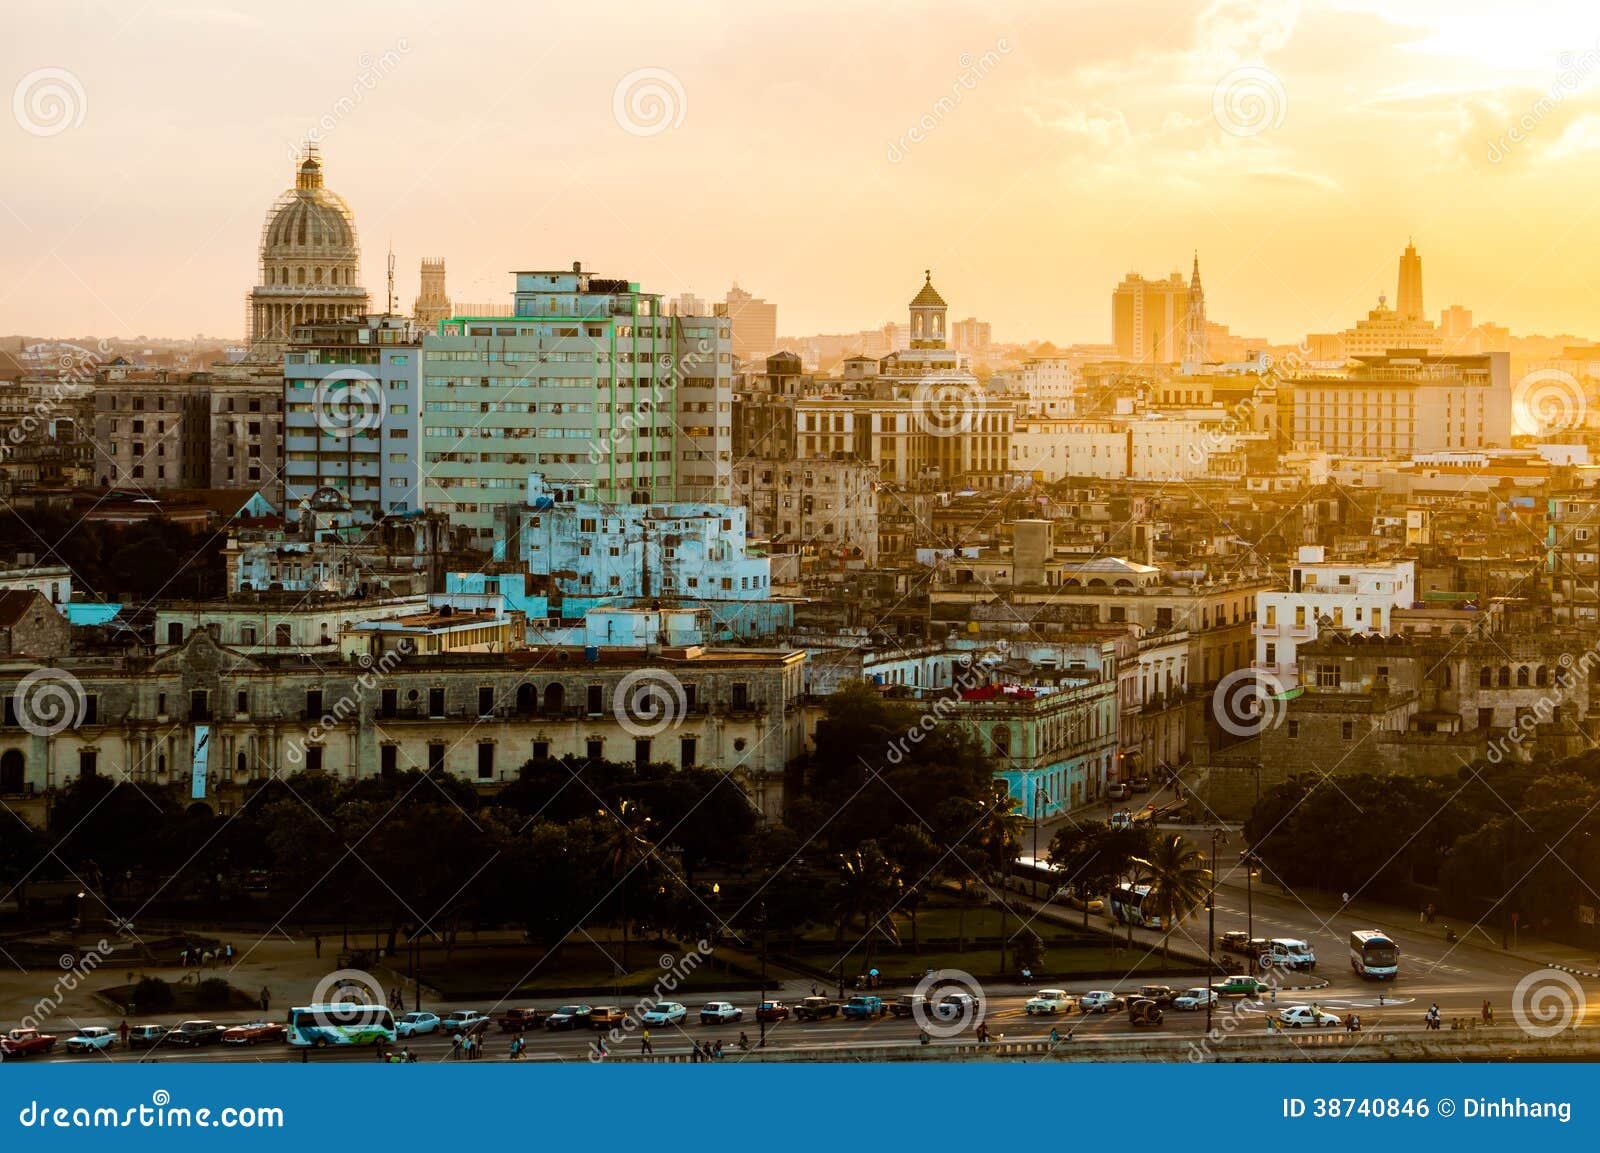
(720,1012)
(957,1006)
(666,1013)
(1192,999)
(413,1024)
(1049,1001)
(1100,1001)
(1305,1017)
(91,1039)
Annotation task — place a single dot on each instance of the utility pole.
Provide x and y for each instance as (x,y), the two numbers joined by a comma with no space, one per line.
(760,1019)
(1211,928)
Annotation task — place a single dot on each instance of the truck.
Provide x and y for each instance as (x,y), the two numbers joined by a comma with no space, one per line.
(816,1009)
(862,1007)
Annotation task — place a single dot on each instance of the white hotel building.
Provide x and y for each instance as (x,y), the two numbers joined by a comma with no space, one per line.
(1360,598)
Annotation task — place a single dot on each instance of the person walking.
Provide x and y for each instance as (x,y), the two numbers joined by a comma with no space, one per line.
(644,1044)
(1488,1012)
(717,1052)
(265,999)
(600,1048)
(122,1033)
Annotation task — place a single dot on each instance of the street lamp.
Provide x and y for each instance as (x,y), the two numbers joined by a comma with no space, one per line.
(761,1020)
(1217,835)
(1039,798)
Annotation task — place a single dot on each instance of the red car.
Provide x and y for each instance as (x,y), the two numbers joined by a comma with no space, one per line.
(255,1033)
(772,1011)
(25,1043)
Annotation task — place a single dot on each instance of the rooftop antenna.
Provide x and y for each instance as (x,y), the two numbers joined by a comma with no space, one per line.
(390,309)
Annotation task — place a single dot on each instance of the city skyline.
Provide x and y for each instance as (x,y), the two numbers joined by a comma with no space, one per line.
(1298,185)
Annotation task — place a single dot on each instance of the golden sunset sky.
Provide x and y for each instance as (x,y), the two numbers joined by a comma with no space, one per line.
(1057,146)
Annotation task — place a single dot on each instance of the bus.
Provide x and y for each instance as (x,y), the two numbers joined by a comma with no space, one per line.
(343,1023)
(1127,906)
(1373,954)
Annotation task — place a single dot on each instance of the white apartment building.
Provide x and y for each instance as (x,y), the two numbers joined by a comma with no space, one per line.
(1048,383)
(1151,448)
(1358,597)
(1405,405)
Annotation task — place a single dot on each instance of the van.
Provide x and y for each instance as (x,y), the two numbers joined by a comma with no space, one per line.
(1291,953)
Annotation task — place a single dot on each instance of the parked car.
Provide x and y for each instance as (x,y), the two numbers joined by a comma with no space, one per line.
(862,1007)
(26,1043)
(1049,1001)
(721,1012)
(415,1024)
(907,1004)
(816,1009)
(665,1013)
(1096,904)
(1240,986)
(1161,994)
(567,1017)
(255,1033)
(607,1016)
(1121,819)
(772,1011)
(1118,791)
(465,1022)
(1191,1000)
(1305,1017)
(521,1020)
(1140,783)
(91,1039)
(1292,953)
(146,1036)
(1100,1001)
(193,1034)
(1144,1012)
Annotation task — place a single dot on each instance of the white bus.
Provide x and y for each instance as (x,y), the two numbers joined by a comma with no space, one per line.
(1127,906)
(1373,954)
(319,1026)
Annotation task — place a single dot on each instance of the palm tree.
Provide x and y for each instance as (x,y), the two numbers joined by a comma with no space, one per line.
(625,847)
(1175,869)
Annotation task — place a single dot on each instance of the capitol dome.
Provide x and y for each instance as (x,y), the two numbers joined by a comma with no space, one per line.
(310,263)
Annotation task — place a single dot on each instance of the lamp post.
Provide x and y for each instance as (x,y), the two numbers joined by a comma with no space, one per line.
(1217,835)
(761,1020)
(1039,799)
(1249,894)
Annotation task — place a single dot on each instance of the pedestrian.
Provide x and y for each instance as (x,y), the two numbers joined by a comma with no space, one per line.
(1483,1013)
(316,943)
(229,950)
(644,1043)
(744,1042)
(1488,1008)
(265,999)
(1422,916)
(183,957)
(1344,898)
(717,1052)
(983,1032)
(600,1048)
(456,1052)
(122,1033)
(1055,1037)
(1269,1025)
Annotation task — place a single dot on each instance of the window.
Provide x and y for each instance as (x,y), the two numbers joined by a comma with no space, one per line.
(200,705)
(313,758)
(241,702)
(741,695)
(388,760)
(593,698)
(87,762)
(541,750)
(594,750)
(641,752)
(435,756)
(174,633)
(1327,676)
(485,701)
(1486,677)
(688,748)
(485,760)
(1347,730)
(436,702)
(313,704)
(91,709)
(1294,730)
(388,703)
(280,635)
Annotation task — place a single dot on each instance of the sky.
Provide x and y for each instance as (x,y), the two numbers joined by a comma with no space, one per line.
(822,155)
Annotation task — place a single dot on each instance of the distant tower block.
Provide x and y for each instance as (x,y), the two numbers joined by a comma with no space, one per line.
(1408,301)
(433,302)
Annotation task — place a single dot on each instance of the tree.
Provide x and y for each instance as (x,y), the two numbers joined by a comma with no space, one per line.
(918,860)
(625,847)
(1093,857)
(1175,869)
(868,886)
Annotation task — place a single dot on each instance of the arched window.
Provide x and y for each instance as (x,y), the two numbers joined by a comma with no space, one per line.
(1505,676)
(554,697)
(1486,677)
(13,771)
(241,764)
(527,699)
(300,275)
(1522,676)
(1001,737)
(318,275)
(1541,676)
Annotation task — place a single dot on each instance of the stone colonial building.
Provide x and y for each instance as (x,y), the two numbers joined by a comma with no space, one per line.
(208,719)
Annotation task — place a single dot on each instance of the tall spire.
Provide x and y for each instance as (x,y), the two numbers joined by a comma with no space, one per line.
(1408,301)
(1194,321)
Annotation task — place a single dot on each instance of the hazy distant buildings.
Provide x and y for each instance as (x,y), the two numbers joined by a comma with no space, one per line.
(433,302)
(755,324)
(970,336)
(310,264)
(1385,330)
(1148,319)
